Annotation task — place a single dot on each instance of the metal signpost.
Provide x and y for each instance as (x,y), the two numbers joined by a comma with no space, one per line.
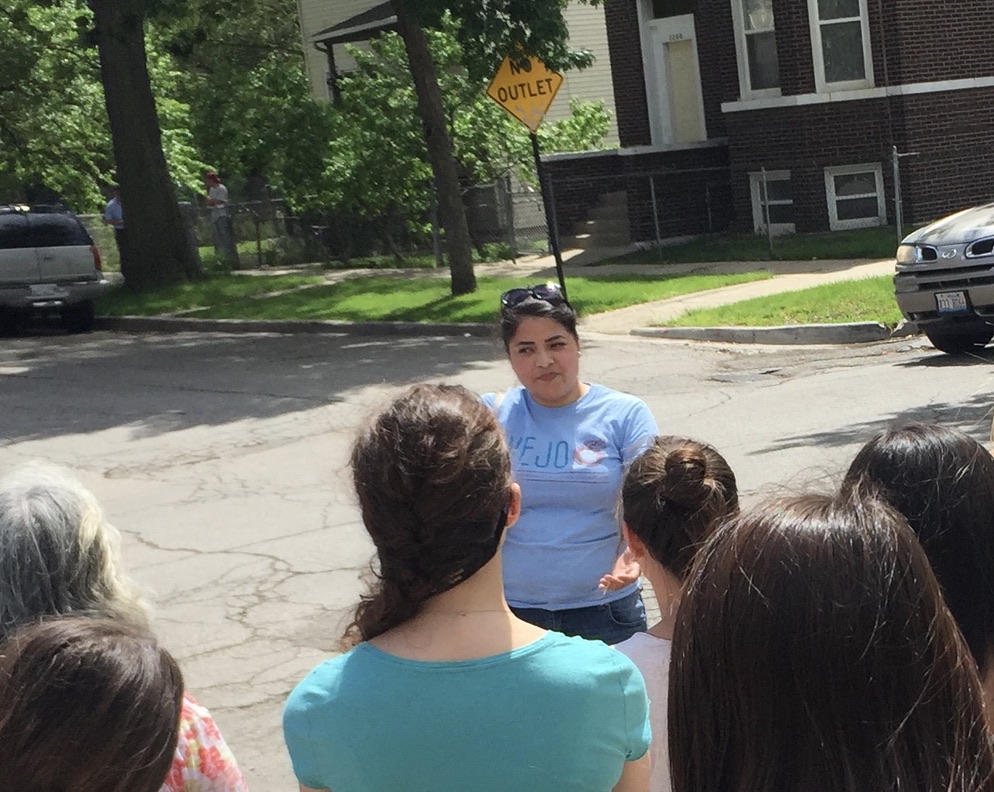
(525,87)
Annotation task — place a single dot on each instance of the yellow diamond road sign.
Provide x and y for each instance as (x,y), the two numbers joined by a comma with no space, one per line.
(525,89)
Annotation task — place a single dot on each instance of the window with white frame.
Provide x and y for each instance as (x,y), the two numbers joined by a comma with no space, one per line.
(840,38)
(855,196)
(756,48)
(772,202)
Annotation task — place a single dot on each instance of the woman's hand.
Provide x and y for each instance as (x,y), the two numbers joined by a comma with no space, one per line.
(626,571)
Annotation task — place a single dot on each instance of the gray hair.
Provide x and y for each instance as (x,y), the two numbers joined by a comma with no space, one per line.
(58,555)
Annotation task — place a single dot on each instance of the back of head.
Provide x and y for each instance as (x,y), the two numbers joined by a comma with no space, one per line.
(813,651)
(674,495)
(87,704)
(942,481)
(432,473)
(58,555)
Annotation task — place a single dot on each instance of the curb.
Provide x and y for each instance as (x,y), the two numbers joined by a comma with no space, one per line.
(859,333)
(167,324)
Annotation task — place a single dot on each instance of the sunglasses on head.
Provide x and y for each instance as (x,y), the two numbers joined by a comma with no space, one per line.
(546,292)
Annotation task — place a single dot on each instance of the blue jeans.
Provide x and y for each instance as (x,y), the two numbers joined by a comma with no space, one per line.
(612,622)
(224,241)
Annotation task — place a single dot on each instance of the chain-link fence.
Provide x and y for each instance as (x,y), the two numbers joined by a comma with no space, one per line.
(506,220)
(643,208)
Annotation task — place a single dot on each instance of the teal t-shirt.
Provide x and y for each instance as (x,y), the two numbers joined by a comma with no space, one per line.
(558,715)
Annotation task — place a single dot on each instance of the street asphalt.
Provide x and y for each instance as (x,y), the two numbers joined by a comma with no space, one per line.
(641,320)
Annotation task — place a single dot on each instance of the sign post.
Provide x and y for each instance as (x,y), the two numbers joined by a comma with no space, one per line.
(525,87)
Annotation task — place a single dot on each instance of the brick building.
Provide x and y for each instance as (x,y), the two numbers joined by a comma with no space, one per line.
(743,110)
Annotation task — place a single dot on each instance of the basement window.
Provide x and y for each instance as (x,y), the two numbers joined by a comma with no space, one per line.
(855,196)
(773,198)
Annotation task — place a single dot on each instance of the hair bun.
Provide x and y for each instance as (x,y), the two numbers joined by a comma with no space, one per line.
(687,481)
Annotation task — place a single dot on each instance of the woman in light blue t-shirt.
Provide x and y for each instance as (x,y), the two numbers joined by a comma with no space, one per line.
(446,690)
(564,565)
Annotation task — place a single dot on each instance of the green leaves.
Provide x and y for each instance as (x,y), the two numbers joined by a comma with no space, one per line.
(490,29)
(376,163)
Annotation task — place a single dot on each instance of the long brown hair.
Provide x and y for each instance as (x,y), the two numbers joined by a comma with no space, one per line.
(813,651)
(432,473)
(674,495)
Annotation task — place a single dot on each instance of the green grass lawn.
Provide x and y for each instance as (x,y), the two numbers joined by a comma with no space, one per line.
(214,290)
(871,243)
(429,300)
(392,298)
(868,300)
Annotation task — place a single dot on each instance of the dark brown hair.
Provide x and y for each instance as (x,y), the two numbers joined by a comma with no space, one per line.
(813,651)
(432,473)
(87,704)
(674,495)
(942,481)
(511,318)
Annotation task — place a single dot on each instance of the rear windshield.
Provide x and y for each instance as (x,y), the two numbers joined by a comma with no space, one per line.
(14,231)
(56,230)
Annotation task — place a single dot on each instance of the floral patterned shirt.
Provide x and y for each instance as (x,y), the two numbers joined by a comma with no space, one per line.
(203,761)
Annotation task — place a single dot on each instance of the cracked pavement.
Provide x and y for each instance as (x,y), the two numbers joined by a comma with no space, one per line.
(223,461)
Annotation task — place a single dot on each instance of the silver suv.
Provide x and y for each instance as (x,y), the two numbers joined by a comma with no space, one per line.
(945,279)
(48,265)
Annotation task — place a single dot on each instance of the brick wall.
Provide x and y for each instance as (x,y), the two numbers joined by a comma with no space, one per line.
(794,54)
(928,41)
(954,139)
(627,72)
(803,140)
(954,167)
(716,56)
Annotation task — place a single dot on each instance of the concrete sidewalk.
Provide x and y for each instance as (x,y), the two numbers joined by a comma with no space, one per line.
(787,276)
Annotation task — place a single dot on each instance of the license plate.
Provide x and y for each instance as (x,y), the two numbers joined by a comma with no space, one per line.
(46,291)
(951,302)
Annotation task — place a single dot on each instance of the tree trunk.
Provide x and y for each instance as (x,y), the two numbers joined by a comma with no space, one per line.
(458,244)
(158,242)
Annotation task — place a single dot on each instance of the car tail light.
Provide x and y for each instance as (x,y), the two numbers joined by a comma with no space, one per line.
(97,263)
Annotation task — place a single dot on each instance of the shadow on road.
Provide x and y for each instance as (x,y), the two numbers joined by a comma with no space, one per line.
(972,416)
(53,384)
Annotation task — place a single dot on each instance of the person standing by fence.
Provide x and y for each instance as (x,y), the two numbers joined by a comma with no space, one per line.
(224,233)
(114,217)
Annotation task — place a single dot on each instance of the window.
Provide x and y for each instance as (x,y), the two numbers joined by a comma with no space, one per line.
(775,197)
(756,48)
(668,8)
(840,39)
(855,196)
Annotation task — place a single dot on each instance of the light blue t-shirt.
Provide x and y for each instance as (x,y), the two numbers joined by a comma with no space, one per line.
(569,462)
(559,715)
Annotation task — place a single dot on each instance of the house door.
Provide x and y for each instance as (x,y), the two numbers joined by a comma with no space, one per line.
(676,105)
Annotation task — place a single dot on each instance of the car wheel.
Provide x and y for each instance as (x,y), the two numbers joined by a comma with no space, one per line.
(957,342)
(79,318)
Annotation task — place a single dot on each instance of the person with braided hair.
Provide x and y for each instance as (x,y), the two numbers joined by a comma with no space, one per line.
(443,688)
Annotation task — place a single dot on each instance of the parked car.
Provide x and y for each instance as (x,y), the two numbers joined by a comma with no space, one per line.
(945,279)
(48,266)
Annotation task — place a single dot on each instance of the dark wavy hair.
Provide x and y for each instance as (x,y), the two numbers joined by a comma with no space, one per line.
(511,318)
(87,704)
(813,651)
(674,495)
(942,481)
(432,473)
